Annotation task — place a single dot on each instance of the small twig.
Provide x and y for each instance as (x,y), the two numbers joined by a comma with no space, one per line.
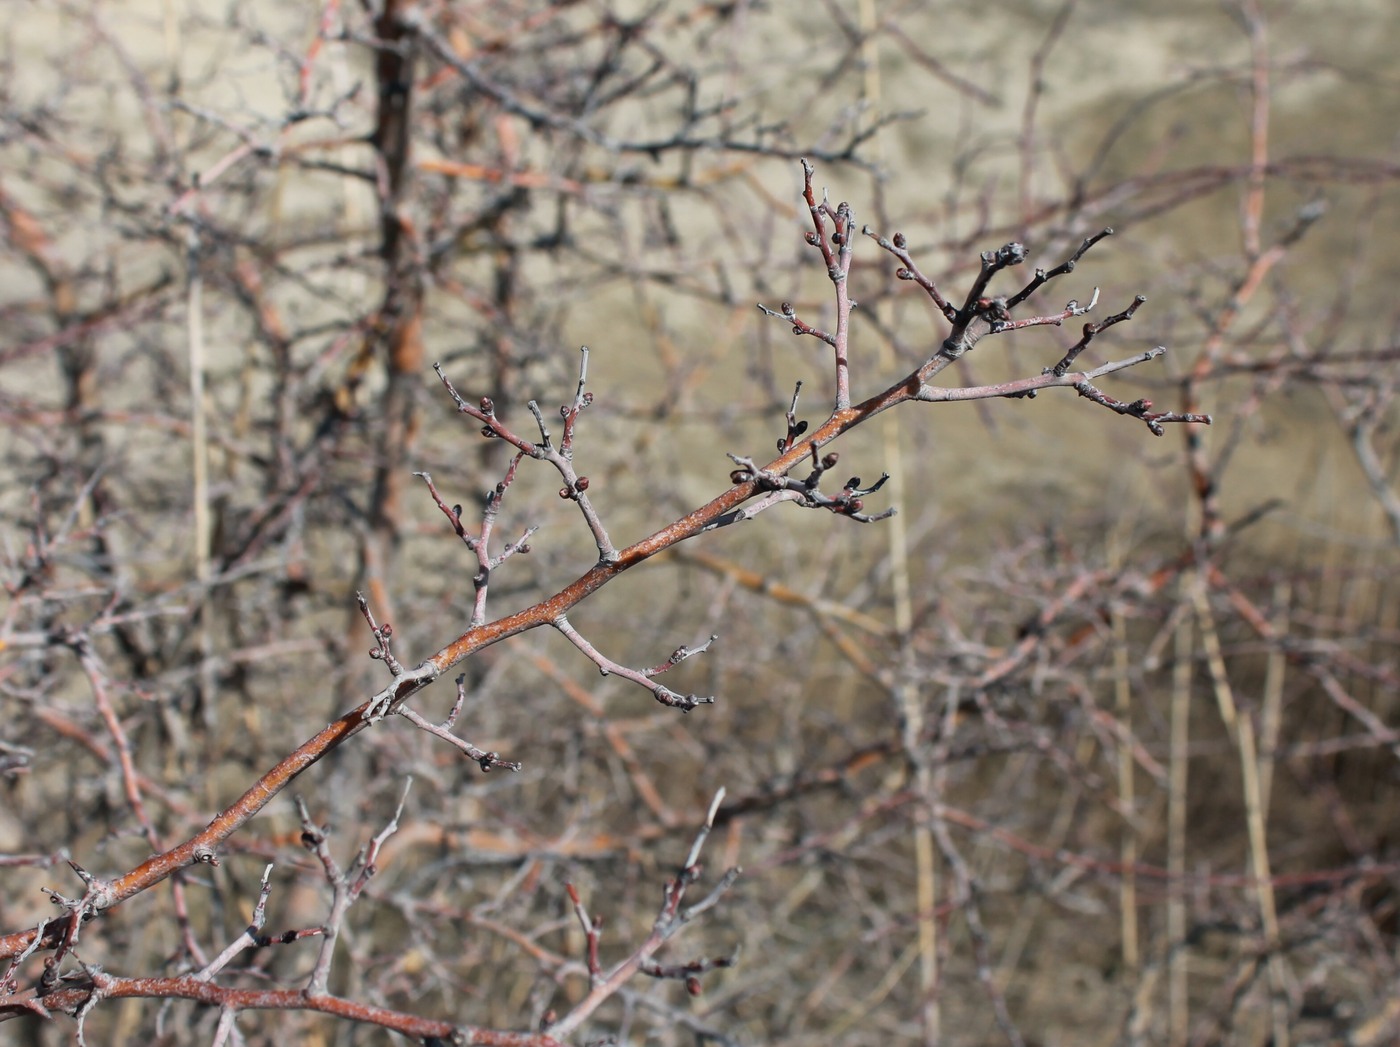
(795,428)
(1081,382)
(488,760)
(670,919)
(837,248)
(850,502)
(346,885)
(1090,330)
(592,929)
(898,246)
(383,634)
(250,936)
(561,457)
(786,312)
(570,412)
(1043,276)
(1141,409)
(641,677)
(481,544)
(679,655)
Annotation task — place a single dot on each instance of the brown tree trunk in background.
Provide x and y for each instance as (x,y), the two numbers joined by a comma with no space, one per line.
(398,332)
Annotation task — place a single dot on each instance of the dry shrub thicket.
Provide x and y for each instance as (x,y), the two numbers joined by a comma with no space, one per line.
(1092,742)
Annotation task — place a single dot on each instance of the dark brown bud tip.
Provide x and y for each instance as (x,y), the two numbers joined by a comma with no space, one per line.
(582,484)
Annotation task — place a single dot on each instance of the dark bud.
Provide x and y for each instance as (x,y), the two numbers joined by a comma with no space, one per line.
(523,548)
(457,509)
(903,274)
(838,238)
(994,309)
(1012,254)
(1141,406)
(899,240)
(740,476)
(812,239)
(563,411)
(387,631)
(587,399)
(786,308)
(582,484)
(855,505)
(853,483)
(488,432)
(830,459)
(488,406)
(799,428)
(376,653)
(566,493)
(692,985)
